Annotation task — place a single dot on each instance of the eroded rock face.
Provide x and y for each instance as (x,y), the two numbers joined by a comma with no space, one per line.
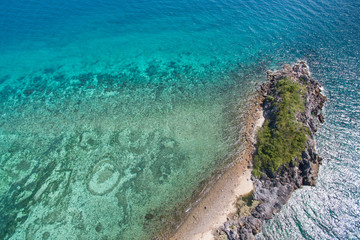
(274,190)
(104,178)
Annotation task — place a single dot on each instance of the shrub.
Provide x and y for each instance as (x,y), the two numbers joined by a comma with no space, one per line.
(278,143)
(269,98)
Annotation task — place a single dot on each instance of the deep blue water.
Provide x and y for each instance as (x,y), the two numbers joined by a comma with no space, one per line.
(113,114)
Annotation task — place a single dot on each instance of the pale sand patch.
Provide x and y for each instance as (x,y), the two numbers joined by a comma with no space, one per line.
(219,203)
(260,121)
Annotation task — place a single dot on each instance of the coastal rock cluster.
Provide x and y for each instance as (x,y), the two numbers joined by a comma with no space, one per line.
(273,189)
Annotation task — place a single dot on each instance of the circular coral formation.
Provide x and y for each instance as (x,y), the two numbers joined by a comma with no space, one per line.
(104,178)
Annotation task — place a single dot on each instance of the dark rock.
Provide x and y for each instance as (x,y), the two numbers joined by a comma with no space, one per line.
(28,92)
(149,216)
(98,227)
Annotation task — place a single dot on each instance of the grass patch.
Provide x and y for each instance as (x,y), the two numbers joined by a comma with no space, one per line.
(284,139)
(248,198)
(269,98)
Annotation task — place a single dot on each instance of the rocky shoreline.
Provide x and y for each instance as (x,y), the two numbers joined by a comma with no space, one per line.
(273,189)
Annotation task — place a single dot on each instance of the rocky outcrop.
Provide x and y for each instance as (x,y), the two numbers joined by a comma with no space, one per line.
(273,190)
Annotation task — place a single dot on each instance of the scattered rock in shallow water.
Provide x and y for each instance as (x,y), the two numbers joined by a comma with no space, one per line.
(45,235)
(149,216)
(98,227)
(28,92)
(104,178)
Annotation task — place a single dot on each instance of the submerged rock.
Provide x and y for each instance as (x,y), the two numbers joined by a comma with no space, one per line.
(273,189)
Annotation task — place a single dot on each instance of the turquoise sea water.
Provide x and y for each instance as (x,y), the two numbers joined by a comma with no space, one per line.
(115,114)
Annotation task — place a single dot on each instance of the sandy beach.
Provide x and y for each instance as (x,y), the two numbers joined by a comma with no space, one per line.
(220,201)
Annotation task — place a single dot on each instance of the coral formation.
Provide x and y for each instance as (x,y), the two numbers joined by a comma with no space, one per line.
(104,178)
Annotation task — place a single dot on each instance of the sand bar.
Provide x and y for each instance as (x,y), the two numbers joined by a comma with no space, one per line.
(219,202)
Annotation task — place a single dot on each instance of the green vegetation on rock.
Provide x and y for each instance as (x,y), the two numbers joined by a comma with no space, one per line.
(282,138)
(248,198)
